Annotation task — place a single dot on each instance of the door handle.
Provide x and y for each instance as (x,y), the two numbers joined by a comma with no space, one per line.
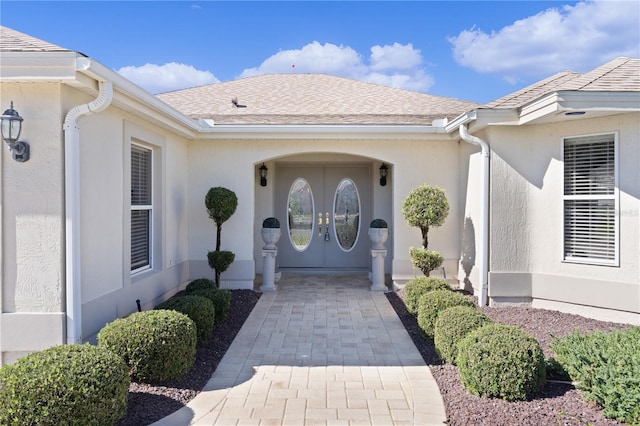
(326,227)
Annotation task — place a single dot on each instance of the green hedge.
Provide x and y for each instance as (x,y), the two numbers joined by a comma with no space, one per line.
(502,361)
(607,369)
(199,284)
(434,302)
(452,325)
(415,288)
(221,301)
(64,385)
(200,309)
(156,345)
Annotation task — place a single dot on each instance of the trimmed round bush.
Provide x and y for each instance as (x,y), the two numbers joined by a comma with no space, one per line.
(200,284)
(200,309)
(156,345)
(221,301)
(502,361)
(415,288)
(433,302)
(68,384)
(452,325)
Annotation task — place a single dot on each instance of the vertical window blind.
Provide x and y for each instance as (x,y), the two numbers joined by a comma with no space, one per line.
(141,207)
(590,203)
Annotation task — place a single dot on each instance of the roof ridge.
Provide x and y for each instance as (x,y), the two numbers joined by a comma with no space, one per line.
(592,76)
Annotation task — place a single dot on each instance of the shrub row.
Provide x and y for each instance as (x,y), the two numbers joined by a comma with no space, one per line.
(417,287)
(607,369)
(199,309)
(64,385)
(85,384)
(493,360)
(156,345)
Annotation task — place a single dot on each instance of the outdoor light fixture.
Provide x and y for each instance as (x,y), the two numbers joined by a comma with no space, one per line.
(263,175)
(383,174)
(11,126)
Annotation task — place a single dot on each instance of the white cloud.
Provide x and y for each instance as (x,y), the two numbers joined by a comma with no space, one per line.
(578,38)
(167,77)
(394,65)
(396,57)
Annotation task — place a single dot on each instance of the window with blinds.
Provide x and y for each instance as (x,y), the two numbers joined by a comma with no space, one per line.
(141,207)
(590,199)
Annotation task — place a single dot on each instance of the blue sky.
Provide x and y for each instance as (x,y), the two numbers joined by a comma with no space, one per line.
(476,50)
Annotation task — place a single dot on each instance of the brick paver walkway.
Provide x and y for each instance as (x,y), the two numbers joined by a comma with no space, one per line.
(322,350)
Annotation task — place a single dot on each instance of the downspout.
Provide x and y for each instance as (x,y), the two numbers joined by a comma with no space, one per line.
(72,207)
(484,196)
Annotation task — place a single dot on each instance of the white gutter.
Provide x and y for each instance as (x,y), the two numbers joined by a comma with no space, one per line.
(483,256)
(72,207)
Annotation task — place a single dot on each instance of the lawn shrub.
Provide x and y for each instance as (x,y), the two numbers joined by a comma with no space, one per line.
(200,309)
(199,284)
(452,325)
(415,288)
(433,302)
(221,301)
(607,369)
(64,385)
(156,345)
(502,361)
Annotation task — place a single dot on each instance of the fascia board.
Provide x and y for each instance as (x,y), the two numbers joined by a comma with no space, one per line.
(564,101)
(599,101)
(37,66)
(324,132)
(133,98)
(541,107)
(480,118)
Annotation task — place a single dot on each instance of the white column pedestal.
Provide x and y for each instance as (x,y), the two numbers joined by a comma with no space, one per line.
(377,270)
(269,270)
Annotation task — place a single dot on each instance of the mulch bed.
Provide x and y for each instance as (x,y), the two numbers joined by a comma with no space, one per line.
(557,404)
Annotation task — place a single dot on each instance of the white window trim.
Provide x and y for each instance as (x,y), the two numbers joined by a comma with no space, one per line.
(150,208)
(615,197)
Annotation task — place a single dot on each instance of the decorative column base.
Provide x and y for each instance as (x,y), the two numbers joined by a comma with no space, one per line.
(269,270)
(377,270)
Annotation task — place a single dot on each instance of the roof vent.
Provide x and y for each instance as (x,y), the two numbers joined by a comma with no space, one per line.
(235,103)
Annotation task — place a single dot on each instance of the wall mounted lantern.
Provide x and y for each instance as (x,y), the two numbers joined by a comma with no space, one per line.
(10,127)
(383,174)
(263,175)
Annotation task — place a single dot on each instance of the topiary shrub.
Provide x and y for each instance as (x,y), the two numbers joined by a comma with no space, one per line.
(502,361)
(415,288)
(200,309)
(200,284)
(271,223)
(425,207)
(378,223)
(426,260)
(221,203)
(221,300)
(156,345)
(433,302)
(452,325)
(64,385)
(607,369)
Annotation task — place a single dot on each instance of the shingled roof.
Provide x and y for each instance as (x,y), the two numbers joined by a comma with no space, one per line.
(15,41)
(311,99)
(619,75)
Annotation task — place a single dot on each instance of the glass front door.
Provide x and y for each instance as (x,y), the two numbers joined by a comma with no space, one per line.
(324,212)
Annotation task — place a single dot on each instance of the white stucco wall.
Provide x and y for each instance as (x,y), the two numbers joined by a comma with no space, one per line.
(32,226)
(109,290)
(527,218)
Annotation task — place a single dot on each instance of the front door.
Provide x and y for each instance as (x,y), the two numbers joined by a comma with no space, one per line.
(324,212)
